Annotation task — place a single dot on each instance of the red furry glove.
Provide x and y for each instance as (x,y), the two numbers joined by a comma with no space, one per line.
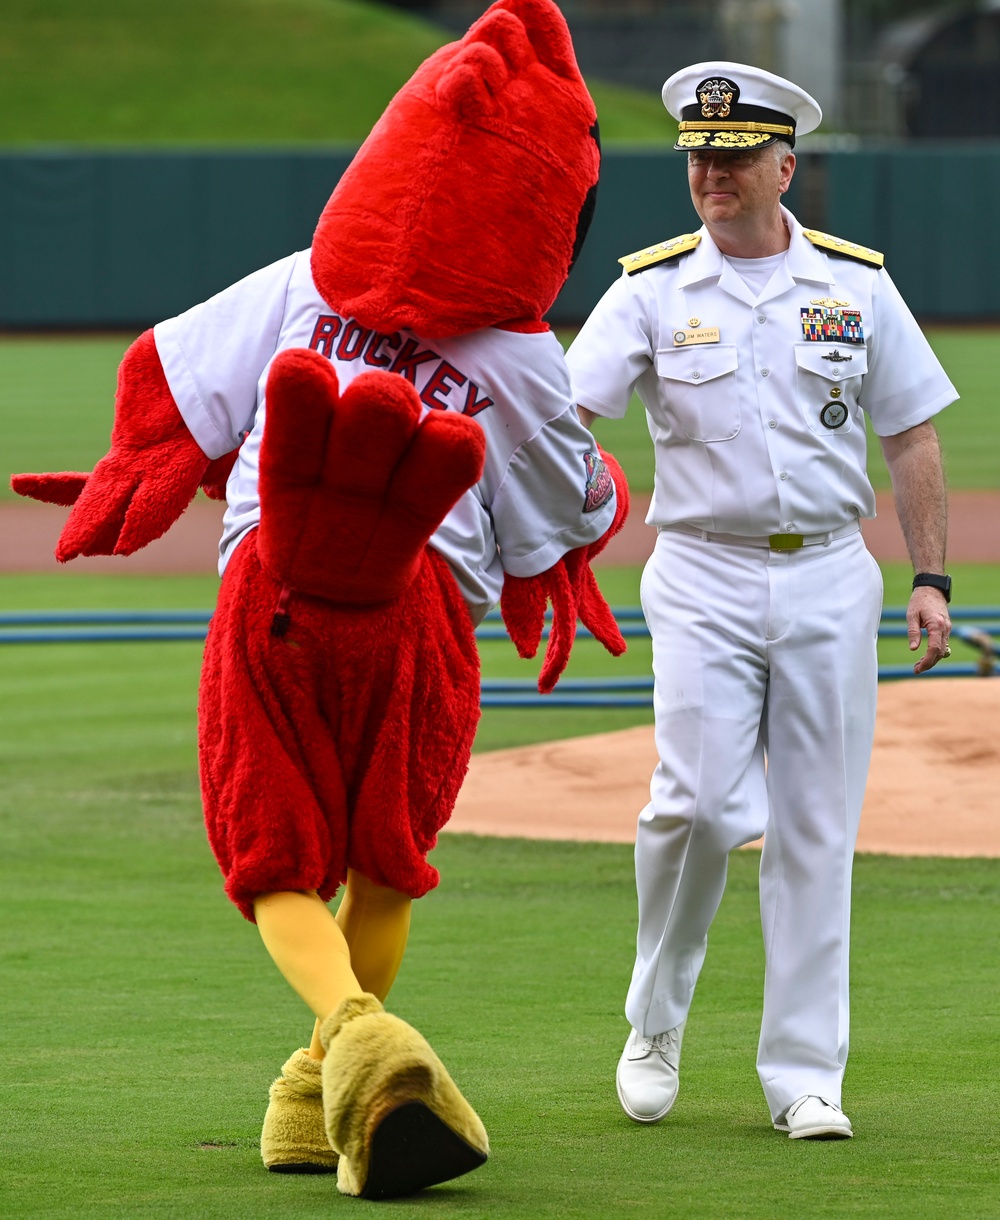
(146,480)
(353,486)
(571,587)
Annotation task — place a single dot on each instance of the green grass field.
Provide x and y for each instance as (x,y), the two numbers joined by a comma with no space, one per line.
(142,1021)
(227,72)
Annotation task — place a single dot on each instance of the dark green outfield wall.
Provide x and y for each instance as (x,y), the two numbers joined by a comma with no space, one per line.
(115,239)
(105,240)
(933,214)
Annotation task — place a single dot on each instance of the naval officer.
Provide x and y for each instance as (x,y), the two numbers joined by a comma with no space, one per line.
(759,349)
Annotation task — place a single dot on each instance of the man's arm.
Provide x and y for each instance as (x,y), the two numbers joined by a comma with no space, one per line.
(917,473)
(586,417)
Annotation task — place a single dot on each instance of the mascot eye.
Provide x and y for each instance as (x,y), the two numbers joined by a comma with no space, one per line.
(583,223)
(587,208)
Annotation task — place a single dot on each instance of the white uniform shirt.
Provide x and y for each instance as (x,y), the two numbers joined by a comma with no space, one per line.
(762,431)
(536,499)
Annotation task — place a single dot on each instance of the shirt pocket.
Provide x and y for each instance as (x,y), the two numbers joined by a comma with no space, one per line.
(698,389)
(828,390)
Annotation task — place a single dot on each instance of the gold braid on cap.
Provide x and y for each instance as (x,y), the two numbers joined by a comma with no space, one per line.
(774,129)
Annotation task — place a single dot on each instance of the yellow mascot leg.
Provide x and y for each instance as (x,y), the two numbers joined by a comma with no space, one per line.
(308,947)
(376,925)
(312,953)
(375,922)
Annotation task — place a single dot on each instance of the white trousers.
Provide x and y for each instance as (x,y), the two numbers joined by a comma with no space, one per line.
(758,656)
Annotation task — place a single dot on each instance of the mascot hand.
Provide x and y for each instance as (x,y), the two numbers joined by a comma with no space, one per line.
(572,588)
(147,479)
(352,486)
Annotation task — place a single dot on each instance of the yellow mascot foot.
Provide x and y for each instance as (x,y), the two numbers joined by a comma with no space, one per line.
(293,1139)
(393,1113)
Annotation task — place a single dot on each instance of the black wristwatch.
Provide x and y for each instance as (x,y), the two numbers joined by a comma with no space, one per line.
(943,583)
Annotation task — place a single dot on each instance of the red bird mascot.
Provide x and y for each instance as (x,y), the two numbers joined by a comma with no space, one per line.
(421,455)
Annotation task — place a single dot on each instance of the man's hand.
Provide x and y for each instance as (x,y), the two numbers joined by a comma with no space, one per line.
(914,461)
(928,611)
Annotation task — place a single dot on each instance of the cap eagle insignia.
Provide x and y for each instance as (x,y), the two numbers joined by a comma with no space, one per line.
(716,98)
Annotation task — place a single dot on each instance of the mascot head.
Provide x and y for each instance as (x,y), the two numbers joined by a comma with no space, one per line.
(469,201)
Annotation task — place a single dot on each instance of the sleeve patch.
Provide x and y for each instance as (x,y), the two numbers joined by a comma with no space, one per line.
(600,485)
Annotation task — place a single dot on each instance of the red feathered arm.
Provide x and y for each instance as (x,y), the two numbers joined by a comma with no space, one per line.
(148,477)
(572,588)
(352,486)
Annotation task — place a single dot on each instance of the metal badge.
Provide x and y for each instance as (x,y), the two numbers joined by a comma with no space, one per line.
(833,415)
(836,357)
(717,97)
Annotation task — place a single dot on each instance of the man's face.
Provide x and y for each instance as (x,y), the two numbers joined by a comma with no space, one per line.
(728,187)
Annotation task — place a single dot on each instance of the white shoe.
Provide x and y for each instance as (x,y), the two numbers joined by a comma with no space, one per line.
(647,1076)
(814,1118)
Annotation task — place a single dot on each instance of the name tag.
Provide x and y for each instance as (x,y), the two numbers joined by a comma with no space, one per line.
(685,338)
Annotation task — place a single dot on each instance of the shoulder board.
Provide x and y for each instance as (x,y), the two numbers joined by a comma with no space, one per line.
(844,249)
(661,253)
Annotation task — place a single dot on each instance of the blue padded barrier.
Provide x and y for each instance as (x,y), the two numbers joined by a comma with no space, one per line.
(978,627)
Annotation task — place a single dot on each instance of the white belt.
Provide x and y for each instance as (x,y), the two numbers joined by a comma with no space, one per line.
(772,542)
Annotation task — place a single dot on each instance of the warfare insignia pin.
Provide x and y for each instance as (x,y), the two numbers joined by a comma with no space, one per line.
(600,484)
(833,415)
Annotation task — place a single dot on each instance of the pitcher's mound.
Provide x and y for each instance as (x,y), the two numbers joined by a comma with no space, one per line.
(933,790)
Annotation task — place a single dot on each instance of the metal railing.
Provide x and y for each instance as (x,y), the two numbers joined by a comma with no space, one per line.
(976,627)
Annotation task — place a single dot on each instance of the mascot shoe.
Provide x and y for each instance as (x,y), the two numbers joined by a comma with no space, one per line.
(393,1113)
(293,1139)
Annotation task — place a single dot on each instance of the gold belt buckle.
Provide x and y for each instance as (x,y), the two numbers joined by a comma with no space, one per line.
(785,542)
